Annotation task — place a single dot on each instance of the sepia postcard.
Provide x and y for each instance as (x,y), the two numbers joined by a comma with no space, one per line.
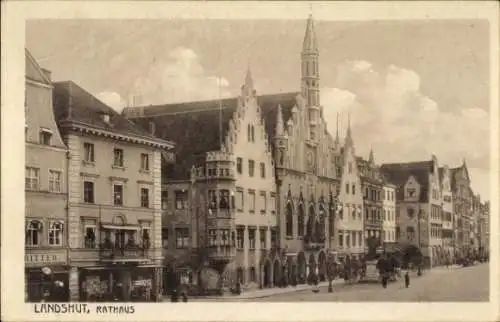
(250,161)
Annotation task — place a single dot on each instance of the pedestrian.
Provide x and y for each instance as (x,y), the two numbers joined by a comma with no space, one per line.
(407,279)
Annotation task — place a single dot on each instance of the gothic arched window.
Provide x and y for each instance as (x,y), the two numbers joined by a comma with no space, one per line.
(311,221)
(301,221)
(289,220)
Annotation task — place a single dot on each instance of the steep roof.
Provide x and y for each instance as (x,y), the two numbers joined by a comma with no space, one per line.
(398,174)
(73,103)
(196,126)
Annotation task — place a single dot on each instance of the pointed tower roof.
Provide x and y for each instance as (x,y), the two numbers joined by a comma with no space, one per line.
(371,158)
(249,79)
(309,44)
(348,139)
(280,127)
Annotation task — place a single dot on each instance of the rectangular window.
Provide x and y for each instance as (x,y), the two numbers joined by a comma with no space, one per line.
(56,229)
(32,180)
(33,233)
(251,201)
(118,158)
(164,237)
(272,202)
(182,237)
(350,167)
(341,239)
(251,238)
(251,167)
(164,197)
(353,239)
(181,200)
(144,197)
(263,202)
(274,237)
(88,152)
(239,165)
(212,237)
(224,237)
(360,238)
(347,188)
(239,199)
(262,237)
(262,170)
(45,137)
(88,192)
(353,189)
(118,195)
(55,181)
(253,275)
(144,162)
(90,236)
(410,192)
(240,238)
(347,239)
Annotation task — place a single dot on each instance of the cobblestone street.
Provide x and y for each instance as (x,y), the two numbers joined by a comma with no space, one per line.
(442,284)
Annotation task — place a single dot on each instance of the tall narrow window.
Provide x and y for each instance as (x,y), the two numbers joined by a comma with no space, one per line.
(263,202)
(251,238)
(181,200)
(240,238)
(144,162)
(239,165)
(251,167)
(55,181)
(118,195)
(239,199)
(88,192)
(249,133)
(90,236)
(182,237)
(88,152)
(144,197)
(118,158)
(32,180)
(262,170)
(251,197)
(164,197)
(33,233)
(56,233)
(164,237)
(301,220)
(289,220)
(262,238)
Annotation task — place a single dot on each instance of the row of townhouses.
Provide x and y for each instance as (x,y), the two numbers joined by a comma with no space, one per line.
(251,189)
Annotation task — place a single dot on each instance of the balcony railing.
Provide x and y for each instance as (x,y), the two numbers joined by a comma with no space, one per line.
(126,253)
(314,242)
(221,253)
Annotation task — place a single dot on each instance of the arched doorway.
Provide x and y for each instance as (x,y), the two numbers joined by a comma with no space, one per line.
(301,268)
(322,266)
(292,271)
(276,272)
(266,271)
(312,266)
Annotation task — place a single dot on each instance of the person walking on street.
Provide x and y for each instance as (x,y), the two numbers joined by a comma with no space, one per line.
(407,279)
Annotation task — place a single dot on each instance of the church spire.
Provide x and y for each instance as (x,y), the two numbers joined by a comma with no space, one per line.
(337,136)
(371,158)
(348,139)
(309,44)
(280,127)
(248,89)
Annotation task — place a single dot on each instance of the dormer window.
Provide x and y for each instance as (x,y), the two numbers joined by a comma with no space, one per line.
(105,117)
(45,136)
(410,192)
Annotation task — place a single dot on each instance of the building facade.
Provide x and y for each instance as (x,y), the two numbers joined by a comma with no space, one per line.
(372,187)
(114,192)
(46,256)
(462,204)
(284,171)
(389,217)
(447,250)
(418,203)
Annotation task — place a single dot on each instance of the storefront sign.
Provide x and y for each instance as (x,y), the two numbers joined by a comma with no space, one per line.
(44,259)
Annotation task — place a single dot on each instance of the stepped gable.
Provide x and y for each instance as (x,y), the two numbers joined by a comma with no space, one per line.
(195,128)
(72,103)
(398,174)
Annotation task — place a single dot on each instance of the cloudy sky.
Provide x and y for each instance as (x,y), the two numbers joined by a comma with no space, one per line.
(413,88)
